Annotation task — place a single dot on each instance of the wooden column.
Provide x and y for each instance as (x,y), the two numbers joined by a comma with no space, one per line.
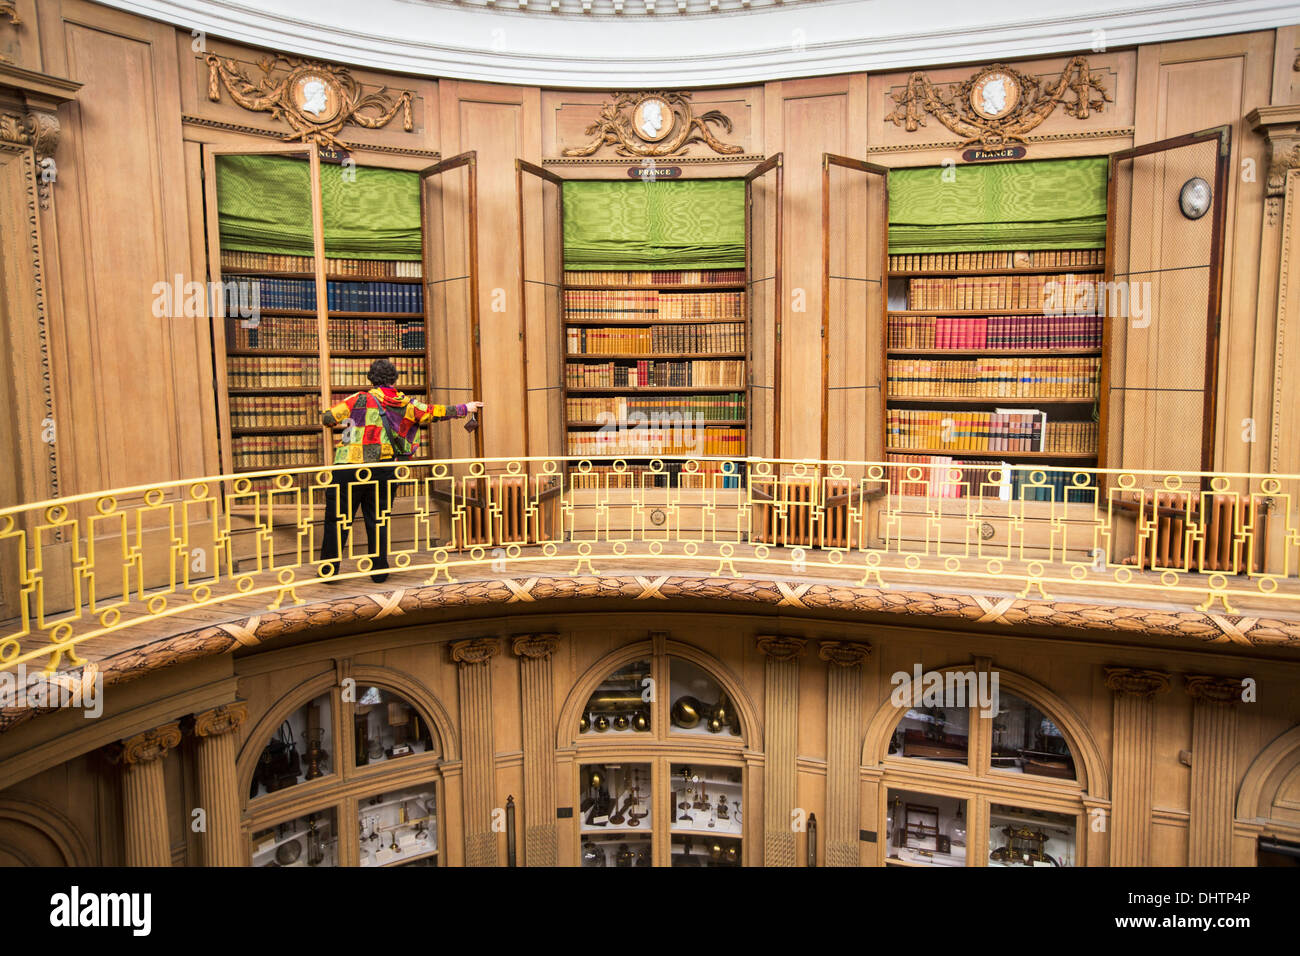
(541,833)
(214,761)
(781,719)
(475,680)
(843,749)
(144,795)
(1133,738)
(1214,733)
(1277,356)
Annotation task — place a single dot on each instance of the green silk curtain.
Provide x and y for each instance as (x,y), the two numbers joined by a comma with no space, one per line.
(264,205)
(1050,204)
(631,226)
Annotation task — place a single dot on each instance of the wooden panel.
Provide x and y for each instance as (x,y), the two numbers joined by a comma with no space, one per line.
(135,374)
(814,117)
(1190,86)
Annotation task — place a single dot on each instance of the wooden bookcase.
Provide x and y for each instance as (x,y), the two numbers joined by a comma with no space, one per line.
(320,322)
(980,342)
(652,369)
(679,344)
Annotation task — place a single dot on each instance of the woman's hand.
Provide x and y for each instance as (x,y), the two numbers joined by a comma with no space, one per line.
(473,406)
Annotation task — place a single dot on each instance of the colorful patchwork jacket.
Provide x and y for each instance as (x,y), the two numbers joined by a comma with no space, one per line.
(382,424)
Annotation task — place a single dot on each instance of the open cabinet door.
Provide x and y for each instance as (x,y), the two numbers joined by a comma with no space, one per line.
(233,332)
(1164,272)
(449,221)
(541,274)
(763,238)
(855,222)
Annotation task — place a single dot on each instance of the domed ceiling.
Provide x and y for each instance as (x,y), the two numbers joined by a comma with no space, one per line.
(611,44)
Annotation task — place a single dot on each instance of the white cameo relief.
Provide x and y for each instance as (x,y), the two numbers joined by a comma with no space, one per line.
(652,119)
(314,97)
(993,95)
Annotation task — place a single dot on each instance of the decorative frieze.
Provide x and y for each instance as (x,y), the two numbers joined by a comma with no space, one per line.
(654,124)
(998,104)
(315,99)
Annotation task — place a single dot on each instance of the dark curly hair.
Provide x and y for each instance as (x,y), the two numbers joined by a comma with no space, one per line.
(382,372)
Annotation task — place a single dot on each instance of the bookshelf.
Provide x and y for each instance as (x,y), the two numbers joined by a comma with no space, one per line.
(992,358)
(296,333)
(656,363)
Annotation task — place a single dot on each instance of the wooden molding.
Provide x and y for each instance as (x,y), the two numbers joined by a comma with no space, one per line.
(781,648)
(150,745)
(1137,681)
(220,720)
(534,646)
(1212,689)
(843,653)
(478,650)
(1014,105)
(624,124)
(315,99)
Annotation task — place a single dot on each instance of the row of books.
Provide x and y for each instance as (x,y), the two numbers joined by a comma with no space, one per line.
(703,339)
(275,451)
(362,335)
(245,296)
(1020,430)
(659,277)
(291,332)
(652,442)
(351,372)
(272,371)
(976,261)
(401,297)
(649,305)
(673,474)
(264,485)
(941,476)
(367,268)
(1071,438)
(280,332)
(1055,293)
(272,411)
(1018,377)
(645,373)
(725,407)
(995,332)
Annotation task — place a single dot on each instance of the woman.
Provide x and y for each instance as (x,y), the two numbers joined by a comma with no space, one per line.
(379,425)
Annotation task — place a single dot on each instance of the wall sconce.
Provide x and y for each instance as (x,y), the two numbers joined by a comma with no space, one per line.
(1194,198)
(812,839)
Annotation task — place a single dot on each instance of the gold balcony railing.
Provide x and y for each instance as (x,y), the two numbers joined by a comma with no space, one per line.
(78,569)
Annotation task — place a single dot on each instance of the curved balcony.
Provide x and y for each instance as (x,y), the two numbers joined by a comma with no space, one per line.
(120,582)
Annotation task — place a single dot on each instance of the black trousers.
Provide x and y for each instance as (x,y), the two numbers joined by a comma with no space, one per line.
(348,493)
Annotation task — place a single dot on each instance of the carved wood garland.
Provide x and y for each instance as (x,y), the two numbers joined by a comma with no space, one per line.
(654,124)
(315,99)
(998,104)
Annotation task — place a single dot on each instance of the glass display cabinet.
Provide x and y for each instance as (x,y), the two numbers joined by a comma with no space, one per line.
(1023,837)
(615,814)
(933,733)
(398,827)
(299,750)
(1025,740)
(387,727)
(310,840)
(925,829)
(622,704)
